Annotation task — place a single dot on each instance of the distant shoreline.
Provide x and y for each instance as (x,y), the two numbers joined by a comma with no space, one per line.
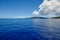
(47,18)
(58,17)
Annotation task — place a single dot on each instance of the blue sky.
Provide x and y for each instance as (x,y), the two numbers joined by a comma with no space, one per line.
(13,8)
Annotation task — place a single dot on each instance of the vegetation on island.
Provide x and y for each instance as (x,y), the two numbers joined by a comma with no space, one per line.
(56,17)
(40,17)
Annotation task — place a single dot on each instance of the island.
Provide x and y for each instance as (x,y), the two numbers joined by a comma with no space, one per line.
(58,17)
(39,17)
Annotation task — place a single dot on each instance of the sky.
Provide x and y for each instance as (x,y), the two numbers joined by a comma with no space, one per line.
(18,8)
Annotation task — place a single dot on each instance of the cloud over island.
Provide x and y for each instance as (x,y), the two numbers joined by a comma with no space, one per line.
(50,8)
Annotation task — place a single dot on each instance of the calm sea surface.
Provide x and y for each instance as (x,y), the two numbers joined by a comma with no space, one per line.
(29,29)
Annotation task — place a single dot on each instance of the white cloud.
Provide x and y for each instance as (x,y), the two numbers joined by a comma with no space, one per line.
(22,17)
(51,7)
(35,13)
(51,15)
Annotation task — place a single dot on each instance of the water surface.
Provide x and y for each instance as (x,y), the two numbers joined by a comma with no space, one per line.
(29,29)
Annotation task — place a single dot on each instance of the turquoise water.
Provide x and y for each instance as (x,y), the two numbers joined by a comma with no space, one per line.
(29,29)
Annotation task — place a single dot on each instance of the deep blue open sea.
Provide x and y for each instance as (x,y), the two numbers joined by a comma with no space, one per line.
(30,29)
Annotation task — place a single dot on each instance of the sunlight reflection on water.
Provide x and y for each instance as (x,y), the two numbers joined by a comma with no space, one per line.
(47,28)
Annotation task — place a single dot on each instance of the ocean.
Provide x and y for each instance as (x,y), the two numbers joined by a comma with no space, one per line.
(30,29)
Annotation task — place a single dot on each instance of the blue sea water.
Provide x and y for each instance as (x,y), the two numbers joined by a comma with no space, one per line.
(30,29)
